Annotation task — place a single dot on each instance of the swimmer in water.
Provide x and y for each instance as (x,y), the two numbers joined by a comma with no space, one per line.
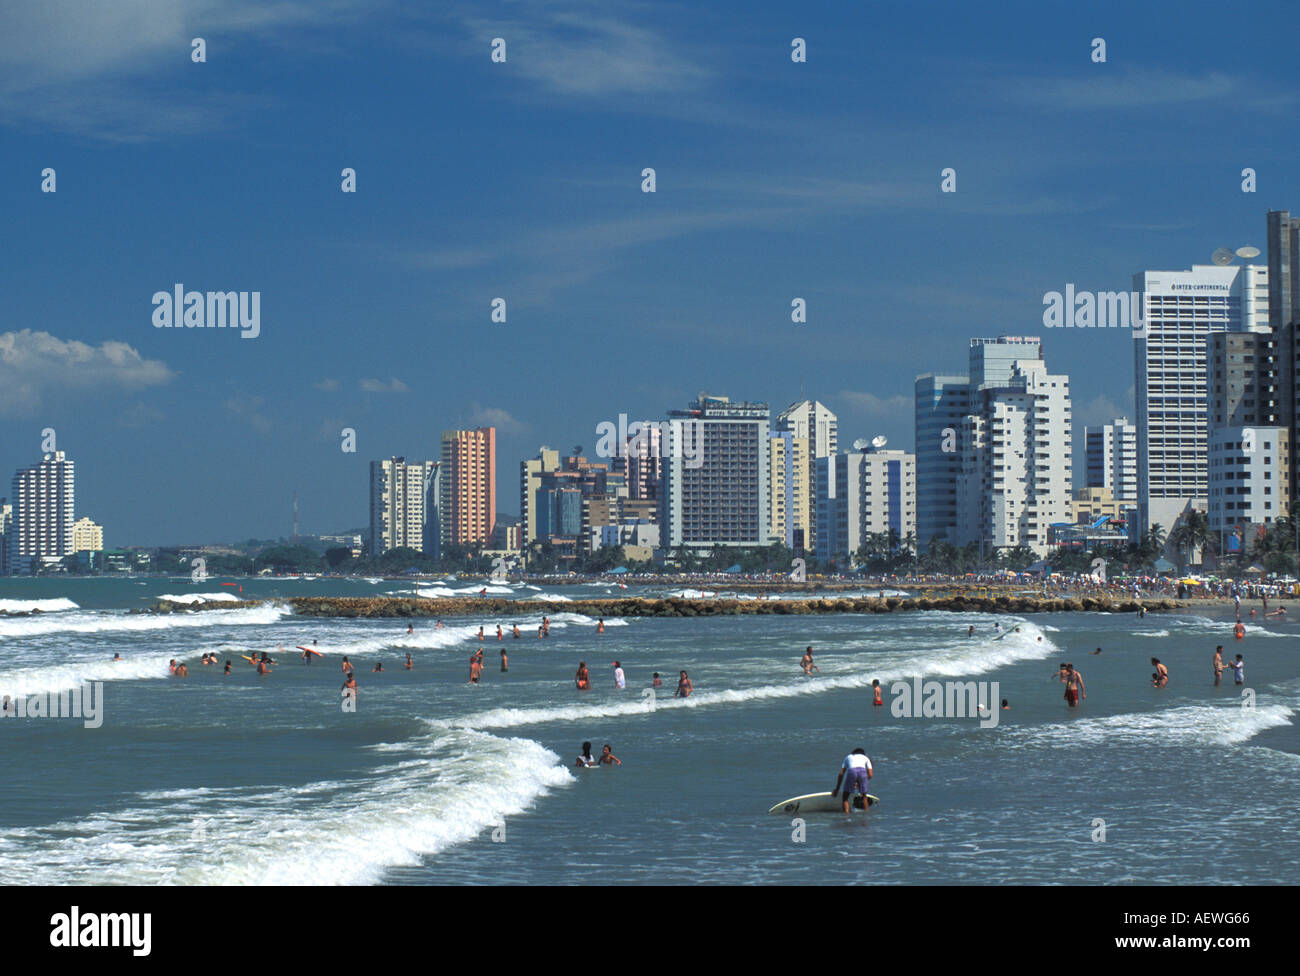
(505,661)
(409,665)
(582,680)
(515,632)
(1097,651)
(117,657)
(684,687)
(806,662)
(877,693)
(347,665)
(970,631)
(350,687)
(379,666)
(1006,706)
(1074,686)
(1162,673)
(480,633)
(263,667)
(600,625)
(475,669)
(607,757)
(500,635)
(227,671)
(171,666)
(1218,665)
(658,682)
(410,628)
(585,758)
(182,671)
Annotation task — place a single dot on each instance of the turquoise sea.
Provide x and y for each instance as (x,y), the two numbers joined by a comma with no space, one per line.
(253,780)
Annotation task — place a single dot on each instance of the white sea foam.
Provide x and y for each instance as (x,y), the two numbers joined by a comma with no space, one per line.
(52,605)
(1185,725)
(199,597)
(953,660)
(73,674)
(100,622)
(454,786)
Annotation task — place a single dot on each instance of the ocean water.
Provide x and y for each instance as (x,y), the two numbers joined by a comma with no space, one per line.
(265,780)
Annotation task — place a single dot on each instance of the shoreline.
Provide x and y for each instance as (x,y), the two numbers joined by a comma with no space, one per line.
(613,607)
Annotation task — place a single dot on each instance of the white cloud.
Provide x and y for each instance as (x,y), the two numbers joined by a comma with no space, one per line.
(870,405)
(327,385)
(394,385)
(36,364)
(502,420)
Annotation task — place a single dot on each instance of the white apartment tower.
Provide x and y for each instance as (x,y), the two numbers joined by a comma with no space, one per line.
(1180,309)
(1015,475)
(403,504)
(715,475)
(43,497)
(860,494)
(1110,452)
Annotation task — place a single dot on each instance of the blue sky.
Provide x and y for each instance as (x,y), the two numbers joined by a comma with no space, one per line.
(522,180)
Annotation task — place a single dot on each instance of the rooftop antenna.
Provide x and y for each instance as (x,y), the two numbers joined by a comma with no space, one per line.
(879,441)
(861,444)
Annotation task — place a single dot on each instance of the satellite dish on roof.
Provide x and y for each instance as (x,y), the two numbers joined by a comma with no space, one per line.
(879,441)
(1247,252)
(861,444)
(1223,256)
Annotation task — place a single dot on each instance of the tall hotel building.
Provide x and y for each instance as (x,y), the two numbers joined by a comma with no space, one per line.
(468,498)
(1110,452)
(715,484)
(993,448)
(403,505)
(1015,446)
(1180,310)
(941,403)
(791,494)
(43,499)
(814,422)
(859,494)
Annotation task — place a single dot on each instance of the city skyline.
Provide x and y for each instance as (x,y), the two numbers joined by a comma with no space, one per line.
(776,181)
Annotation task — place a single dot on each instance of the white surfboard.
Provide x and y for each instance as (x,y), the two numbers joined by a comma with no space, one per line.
(821,803)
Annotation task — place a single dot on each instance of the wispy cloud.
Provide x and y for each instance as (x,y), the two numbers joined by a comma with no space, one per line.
(97,68)
(327,385)
(393,385)
(34,365)
(251,410)
(1141,89)
(481,416)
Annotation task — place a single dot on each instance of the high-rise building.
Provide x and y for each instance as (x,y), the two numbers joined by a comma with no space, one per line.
(530,475)
(862,494)
(87,536)
(44,498)
(941,403)
(1180,310)
(403,504)
(715,484)
(1110,452)
(468,499)
(791,506)
(1014,444)
(6,534)
(816,423)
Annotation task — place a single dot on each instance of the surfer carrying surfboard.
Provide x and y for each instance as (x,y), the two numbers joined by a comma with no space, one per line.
(855,776)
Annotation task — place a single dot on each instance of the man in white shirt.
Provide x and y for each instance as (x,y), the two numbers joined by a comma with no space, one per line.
(855,775)
(619,680)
